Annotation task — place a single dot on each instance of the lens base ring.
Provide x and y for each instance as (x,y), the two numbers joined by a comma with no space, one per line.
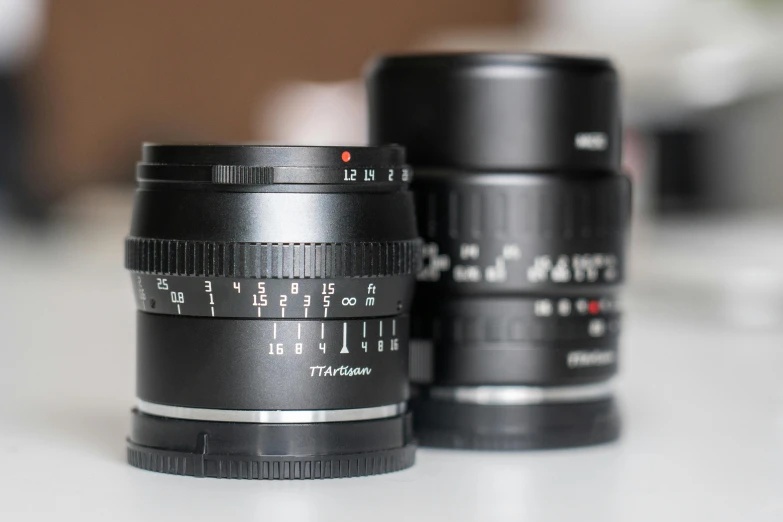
(247,451)
(271,468)
(448,424)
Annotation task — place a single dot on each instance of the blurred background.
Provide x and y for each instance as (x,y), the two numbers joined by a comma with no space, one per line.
(84,82)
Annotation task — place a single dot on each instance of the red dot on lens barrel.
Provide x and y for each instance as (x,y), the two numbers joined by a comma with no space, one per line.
(346,156)
(594,307)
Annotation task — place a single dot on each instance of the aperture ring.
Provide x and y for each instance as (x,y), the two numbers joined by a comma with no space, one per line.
(272,260)
(372,174)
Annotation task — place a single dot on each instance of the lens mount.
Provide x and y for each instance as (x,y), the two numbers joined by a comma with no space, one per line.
(270,451)
(510,426)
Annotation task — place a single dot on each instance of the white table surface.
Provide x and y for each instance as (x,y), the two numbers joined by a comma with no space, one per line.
(701,391)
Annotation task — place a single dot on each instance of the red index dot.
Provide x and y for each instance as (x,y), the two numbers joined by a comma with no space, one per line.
(594,307)
(346,156)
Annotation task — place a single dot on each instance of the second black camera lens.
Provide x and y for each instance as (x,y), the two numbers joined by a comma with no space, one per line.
(524,212)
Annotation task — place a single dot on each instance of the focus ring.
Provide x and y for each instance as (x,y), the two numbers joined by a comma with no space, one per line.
(272,260)
(521,207)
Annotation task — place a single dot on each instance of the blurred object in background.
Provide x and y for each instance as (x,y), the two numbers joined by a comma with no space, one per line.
(20,28)
(113,74)
(703,84)
(310,113)
(754,298)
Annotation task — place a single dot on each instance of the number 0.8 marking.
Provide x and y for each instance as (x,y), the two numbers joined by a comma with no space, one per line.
(266,298)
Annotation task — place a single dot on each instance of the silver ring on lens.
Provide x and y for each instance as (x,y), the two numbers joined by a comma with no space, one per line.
(523,395)
(271,416)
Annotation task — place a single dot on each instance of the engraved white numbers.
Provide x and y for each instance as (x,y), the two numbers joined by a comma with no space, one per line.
(259,298)
(208,290)
(276,298)
(469,251)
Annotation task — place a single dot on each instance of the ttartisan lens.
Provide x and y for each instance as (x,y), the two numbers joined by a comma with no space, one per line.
(524,213)
(273,287)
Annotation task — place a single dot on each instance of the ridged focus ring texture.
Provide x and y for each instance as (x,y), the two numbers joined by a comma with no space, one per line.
(272,260)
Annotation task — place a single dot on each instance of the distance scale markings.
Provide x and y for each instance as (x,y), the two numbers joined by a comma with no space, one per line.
(272,298)
(602,313)
(473,265)
(332,338)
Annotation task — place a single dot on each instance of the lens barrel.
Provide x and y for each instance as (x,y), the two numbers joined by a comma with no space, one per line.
(524,213)
(273,287)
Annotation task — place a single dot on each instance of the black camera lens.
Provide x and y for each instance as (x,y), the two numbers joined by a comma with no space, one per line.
(273,287)
(524,213)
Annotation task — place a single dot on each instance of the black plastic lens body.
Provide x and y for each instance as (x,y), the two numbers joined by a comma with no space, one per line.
(524,213)
(273,287)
